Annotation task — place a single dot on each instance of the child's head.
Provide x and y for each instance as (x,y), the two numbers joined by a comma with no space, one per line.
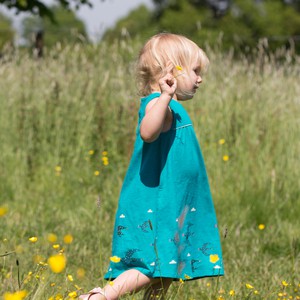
(167,52)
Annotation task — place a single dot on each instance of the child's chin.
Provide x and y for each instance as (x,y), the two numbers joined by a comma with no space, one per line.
(185,97)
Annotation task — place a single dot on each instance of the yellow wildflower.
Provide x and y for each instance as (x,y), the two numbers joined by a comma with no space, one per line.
(221,141)
(80,273)
(19,295)
(221,298)
(179,68)
(181,281)
(261,226)
(280,294)
(106,163)
(3,211)
(115,259)
(52,284)
(58,169)
(56,246)
(97,173)
(256,292)
(232,292)
(33,239)
(187,276)
(225,157)
(73,295)
(111,283)
(68,239)
(57,263)
(70,278)
(213,258)
(249,286)
(52,238)
(59,297)
(284,283)
(91,152)
(104,153)
(208,284)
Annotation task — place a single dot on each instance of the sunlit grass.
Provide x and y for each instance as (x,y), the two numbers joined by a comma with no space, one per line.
(67,126)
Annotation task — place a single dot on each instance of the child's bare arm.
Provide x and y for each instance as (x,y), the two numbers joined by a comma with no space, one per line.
(156,111)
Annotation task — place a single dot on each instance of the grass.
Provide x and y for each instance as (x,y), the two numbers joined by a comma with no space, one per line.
(82,98)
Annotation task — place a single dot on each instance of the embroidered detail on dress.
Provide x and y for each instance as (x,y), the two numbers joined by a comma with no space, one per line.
(173,262)
(188,234)
(205,248)
(195,264)
(120,229)
(144,226)
(128,259)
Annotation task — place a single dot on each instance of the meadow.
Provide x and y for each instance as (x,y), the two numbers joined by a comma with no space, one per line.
(67,125)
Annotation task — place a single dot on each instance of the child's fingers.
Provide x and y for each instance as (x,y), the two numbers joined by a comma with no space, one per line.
(168,79)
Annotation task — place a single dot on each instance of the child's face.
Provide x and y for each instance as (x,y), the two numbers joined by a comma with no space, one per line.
(188,83)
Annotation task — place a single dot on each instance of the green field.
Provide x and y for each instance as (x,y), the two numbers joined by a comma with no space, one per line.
(67,128)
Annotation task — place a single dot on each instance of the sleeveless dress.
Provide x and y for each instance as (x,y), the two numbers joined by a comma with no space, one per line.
(165,223)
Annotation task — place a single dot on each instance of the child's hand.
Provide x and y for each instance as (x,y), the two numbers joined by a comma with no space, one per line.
(168,84)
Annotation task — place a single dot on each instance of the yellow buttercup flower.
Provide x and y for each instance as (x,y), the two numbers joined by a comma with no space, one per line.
(249,286)
(213,258)
(70,278)
(73,295)
(56,246)
(96,173)
(179,68)
(225,157)
(68,239)
(231,292)
(284,283)
(104,153)
(111,283)
(3,211)
(181,281)
(80,273)
(52,238)
(91,152)
(33,239)
(187,276)
(57,263)
(115,259)
(19,295)
(261,226)
(58,168)
(221,141)
(59,297)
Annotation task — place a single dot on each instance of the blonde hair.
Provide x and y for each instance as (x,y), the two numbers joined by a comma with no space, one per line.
(162,50)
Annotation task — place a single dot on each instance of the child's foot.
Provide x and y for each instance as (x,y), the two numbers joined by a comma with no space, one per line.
(94,294)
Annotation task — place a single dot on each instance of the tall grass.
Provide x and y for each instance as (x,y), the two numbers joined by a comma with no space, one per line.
(82,98)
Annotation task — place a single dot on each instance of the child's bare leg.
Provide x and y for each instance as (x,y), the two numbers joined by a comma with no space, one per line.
(158,289)
(128,282)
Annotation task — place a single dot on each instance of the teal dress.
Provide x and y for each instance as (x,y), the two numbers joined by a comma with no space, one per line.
(165,223)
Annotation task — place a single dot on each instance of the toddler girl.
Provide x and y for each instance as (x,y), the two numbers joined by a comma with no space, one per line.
(166,227)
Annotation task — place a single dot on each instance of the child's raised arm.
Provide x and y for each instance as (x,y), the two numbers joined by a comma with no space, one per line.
(156,118)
